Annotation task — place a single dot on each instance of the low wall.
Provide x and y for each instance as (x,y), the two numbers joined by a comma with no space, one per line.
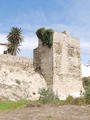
(16,61)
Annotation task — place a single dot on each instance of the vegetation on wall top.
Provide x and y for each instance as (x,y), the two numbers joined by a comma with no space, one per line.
(46,36)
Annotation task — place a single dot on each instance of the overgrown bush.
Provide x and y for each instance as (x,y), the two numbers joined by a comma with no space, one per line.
(46,36)
(75,101)
(40,33)
(87,96)
(47,96)
(69,100)
(79,101)
(86,84)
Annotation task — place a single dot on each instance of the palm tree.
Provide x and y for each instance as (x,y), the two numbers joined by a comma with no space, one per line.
(14,40)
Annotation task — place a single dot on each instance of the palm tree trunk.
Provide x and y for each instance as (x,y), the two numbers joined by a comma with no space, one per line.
(15,51)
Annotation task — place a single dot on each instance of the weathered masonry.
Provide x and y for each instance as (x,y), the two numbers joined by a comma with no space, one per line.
(56,64)
(60,65)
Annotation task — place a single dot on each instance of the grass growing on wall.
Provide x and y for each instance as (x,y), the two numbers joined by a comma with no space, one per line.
(46,36)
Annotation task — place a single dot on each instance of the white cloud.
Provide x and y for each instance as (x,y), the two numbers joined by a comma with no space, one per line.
(85,71)
(30,42)
(85,48)
(85,45)
(2,40)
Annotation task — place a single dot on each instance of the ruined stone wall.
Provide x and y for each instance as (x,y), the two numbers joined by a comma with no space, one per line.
(67,65)
(18,79)
(16,61)
(60,65)
(43,62)
(36,59)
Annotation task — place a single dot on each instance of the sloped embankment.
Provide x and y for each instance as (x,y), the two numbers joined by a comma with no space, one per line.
(18,80)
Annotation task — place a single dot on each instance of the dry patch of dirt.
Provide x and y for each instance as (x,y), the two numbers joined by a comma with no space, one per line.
(48,112)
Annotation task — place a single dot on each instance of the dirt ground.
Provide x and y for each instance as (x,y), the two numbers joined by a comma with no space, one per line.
(48,112)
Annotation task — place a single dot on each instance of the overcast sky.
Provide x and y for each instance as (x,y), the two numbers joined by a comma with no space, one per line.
(72,15)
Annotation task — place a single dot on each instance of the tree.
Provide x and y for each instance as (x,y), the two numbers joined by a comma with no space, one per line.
(14,38)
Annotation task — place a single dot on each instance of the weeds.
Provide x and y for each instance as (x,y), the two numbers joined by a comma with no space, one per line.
(75,101)
(48,96)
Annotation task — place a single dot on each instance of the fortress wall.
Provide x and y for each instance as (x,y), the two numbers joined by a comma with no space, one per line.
(16,61)
(44,56)
(67,65)
(58,66)
(36,59)
(18,80)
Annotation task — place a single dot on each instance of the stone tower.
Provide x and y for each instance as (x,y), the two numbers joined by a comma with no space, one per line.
(60,65)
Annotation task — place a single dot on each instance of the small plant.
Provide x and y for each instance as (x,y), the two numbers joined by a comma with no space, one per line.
(69,100)
(46,36)
(76,101)
(86,84)
(47,96)
(49,116)
(18,82)
(87,96)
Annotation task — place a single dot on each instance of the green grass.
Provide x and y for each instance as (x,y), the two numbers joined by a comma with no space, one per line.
(10,105)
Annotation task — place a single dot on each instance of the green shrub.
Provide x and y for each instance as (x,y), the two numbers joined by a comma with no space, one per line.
(47,96)
(69,100)
(40,33)
(87,96)
(86,84)
(75,101)
(46,36)
(79,101)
